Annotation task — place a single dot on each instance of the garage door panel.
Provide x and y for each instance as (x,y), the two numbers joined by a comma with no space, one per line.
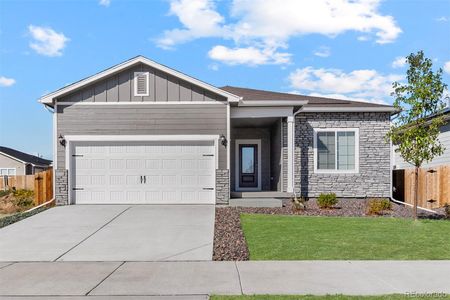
(171,163)
(153,164)
(144,172)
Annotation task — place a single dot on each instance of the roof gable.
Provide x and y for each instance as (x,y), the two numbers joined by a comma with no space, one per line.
(70,89)
(24,157)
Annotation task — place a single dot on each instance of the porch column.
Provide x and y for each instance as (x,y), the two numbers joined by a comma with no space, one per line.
(290,148)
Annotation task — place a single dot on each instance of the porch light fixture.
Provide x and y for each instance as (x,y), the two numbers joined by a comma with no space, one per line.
(223,140)
(62,140)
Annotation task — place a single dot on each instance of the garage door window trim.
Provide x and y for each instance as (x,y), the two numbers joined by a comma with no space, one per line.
(72,140)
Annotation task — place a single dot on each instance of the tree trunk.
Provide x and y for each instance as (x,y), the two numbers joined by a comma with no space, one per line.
(416,191)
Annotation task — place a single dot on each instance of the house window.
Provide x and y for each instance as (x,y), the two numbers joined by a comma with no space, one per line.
(336,150)
(7,171)
(141,84)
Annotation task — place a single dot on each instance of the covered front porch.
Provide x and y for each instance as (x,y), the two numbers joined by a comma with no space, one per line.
(261,152)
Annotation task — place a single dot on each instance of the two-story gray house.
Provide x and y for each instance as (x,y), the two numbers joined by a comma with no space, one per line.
(141,132)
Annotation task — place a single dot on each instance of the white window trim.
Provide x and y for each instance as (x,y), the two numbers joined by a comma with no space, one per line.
(73,139)
(147,75)
(237,188)
(336,171)
(7,171)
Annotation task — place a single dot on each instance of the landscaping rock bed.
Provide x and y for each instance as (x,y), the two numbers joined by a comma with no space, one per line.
(344,208)
(229,240)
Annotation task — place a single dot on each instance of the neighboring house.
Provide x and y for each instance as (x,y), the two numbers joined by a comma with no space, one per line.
(444,138)
(14,162)
(140,132)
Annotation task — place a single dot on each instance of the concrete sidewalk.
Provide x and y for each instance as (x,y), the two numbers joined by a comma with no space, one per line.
(199,279)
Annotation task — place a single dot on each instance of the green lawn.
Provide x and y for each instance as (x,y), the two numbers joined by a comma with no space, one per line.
(339,238)
(328,297)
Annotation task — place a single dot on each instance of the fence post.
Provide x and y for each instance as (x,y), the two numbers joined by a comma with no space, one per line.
(37,189)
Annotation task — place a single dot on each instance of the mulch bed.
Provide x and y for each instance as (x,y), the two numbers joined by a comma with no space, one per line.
(229,240)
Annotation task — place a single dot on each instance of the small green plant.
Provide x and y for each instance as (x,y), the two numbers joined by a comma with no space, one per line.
(327,200)
(378,206)
(23,198)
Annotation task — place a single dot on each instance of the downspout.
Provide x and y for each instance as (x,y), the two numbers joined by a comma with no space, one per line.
(54,143)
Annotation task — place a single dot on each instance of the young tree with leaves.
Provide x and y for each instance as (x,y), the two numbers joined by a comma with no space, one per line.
(416,127)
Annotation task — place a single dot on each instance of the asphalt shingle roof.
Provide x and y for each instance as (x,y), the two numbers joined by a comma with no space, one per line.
(28,158)
(253,94)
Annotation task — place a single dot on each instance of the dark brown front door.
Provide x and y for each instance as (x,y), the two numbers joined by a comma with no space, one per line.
(248,165)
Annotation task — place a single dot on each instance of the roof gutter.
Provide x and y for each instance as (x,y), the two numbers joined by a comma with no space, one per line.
(262,103)
(390,109)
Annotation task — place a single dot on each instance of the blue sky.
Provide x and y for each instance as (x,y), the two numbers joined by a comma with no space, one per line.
(347,49)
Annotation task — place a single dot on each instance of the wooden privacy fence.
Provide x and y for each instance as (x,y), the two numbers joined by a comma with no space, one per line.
(41,183)
(434,186)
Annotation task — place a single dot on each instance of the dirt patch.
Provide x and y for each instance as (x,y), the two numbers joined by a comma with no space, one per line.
(14,201)
(229,240)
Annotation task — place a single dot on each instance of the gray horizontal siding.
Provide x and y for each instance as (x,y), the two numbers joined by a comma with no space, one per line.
(142,120)
(444,138)
(7,162)
(120,88)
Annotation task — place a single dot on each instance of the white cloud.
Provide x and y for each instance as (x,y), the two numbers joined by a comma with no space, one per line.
(46,41)
(5,81)
(269,19)
(199,18)
(399,62)
(447,67)
(214,67)
(368,85)
(265,24)
(363,38)
(345,97)
(105,3)
(323,52)
(442,19)
(248,56)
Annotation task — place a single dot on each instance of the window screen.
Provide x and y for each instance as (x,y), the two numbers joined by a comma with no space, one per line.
(325,150)
(336,150)
(346,150)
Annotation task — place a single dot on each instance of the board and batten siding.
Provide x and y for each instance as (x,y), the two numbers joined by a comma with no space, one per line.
(444,138)
(119,87)
(152,119)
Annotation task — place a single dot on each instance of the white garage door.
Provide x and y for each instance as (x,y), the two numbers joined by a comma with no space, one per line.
(143,173)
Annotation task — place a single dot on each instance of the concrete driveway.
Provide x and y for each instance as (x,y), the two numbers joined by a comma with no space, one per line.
(112,233)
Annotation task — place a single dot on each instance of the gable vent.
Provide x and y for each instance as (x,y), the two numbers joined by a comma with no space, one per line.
(141,85)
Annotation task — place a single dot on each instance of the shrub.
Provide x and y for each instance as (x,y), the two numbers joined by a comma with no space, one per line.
(378,206)
(5,221)
(327,200)
(23,198)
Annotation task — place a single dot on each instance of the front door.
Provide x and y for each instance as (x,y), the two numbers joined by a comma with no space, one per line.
(248,165)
